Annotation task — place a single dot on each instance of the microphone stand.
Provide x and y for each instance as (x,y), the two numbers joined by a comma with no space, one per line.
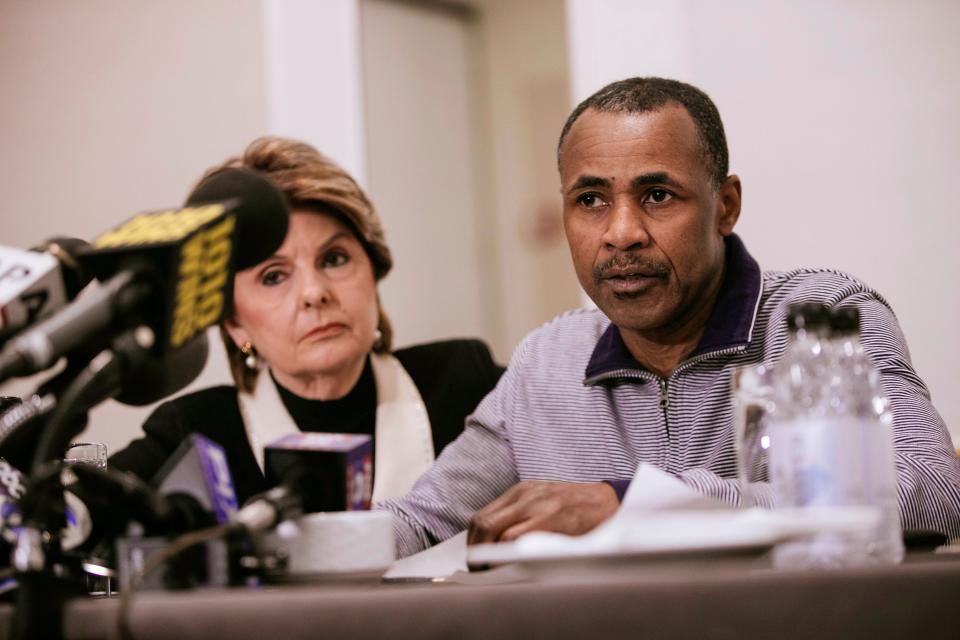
(43,589)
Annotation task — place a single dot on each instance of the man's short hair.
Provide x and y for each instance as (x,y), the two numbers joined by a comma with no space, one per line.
(643,95)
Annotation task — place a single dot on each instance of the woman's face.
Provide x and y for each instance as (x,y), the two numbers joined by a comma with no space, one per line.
(311,309)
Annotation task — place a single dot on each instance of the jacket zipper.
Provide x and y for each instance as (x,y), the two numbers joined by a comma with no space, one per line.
(664,404)
(706,356)
(664,398)
(649,377)
(663,383)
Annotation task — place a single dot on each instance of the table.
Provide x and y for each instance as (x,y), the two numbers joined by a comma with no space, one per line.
(919,599)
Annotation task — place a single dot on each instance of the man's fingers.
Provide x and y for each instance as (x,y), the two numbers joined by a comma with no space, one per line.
(488,523)
(505,499)
(517,507)
(517,530)
(568,508)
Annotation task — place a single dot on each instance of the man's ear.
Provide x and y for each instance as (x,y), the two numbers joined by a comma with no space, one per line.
(236,332)
(728,205)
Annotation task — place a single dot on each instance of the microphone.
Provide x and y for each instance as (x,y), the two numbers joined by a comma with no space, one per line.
(153,378)
(8,402)
(263,211)
(314,472)
(161,376)
(67,251)
(35,283)
(199,468)
(260,208)
(196,474)
(171,270)
(114,498)
(13,483)
(195,490)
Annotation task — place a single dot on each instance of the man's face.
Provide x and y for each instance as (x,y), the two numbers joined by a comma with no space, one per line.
(644,222)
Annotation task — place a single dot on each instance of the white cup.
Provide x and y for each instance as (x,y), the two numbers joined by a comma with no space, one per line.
(335,544)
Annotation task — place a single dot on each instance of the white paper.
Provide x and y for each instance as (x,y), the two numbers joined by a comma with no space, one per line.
(439,561)
(660,514)
(654,490)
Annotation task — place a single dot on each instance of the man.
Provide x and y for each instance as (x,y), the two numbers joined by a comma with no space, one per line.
(649,212)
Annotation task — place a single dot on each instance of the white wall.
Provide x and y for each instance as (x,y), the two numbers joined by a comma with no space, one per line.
(842,122)
(526,100)
(423,170)
(462,113)
(313,77)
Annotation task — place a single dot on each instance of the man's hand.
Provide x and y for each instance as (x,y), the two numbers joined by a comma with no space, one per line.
(534,505)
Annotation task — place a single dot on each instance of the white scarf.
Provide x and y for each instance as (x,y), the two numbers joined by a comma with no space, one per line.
(404,442)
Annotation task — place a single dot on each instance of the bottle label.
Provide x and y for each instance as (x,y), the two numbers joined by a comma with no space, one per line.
(819,462)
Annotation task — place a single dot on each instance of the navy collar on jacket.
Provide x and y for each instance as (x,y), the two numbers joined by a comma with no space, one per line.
(730,323)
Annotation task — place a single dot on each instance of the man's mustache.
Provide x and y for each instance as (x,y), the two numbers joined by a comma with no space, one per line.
(620,261)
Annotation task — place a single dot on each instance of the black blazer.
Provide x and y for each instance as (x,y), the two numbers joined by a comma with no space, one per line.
(452,377)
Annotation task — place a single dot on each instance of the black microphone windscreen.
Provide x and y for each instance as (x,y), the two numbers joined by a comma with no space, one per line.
(262,214)
(330,471)
(165,374)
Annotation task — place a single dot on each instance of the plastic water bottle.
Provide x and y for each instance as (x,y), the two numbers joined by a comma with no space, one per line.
(798,424)
(856,392)
(830,446)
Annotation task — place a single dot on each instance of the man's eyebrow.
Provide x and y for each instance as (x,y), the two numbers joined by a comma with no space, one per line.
(657,177)
(585,182)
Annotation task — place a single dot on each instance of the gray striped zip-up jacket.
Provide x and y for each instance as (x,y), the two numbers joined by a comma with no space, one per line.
(575,406)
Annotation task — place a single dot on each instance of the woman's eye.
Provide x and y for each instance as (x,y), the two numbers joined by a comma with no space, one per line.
(272,278)
(590,201)
(335,259)
(659,196)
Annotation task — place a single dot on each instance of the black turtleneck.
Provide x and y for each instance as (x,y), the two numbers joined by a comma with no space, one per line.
(451,377)
(355,412)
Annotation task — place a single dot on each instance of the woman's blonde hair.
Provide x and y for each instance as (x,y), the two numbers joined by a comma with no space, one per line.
(312,181)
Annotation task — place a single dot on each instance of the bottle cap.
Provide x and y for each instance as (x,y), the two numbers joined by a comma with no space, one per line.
(808,316)
(845,320)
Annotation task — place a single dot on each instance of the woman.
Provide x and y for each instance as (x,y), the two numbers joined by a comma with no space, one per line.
(310,346)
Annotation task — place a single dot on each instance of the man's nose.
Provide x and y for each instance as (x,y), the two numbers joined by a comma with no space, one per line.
(626,228)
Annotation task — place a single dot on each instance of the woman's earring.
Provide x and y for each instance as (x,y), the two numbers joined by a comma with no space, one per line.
(377,339)
(250,361)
